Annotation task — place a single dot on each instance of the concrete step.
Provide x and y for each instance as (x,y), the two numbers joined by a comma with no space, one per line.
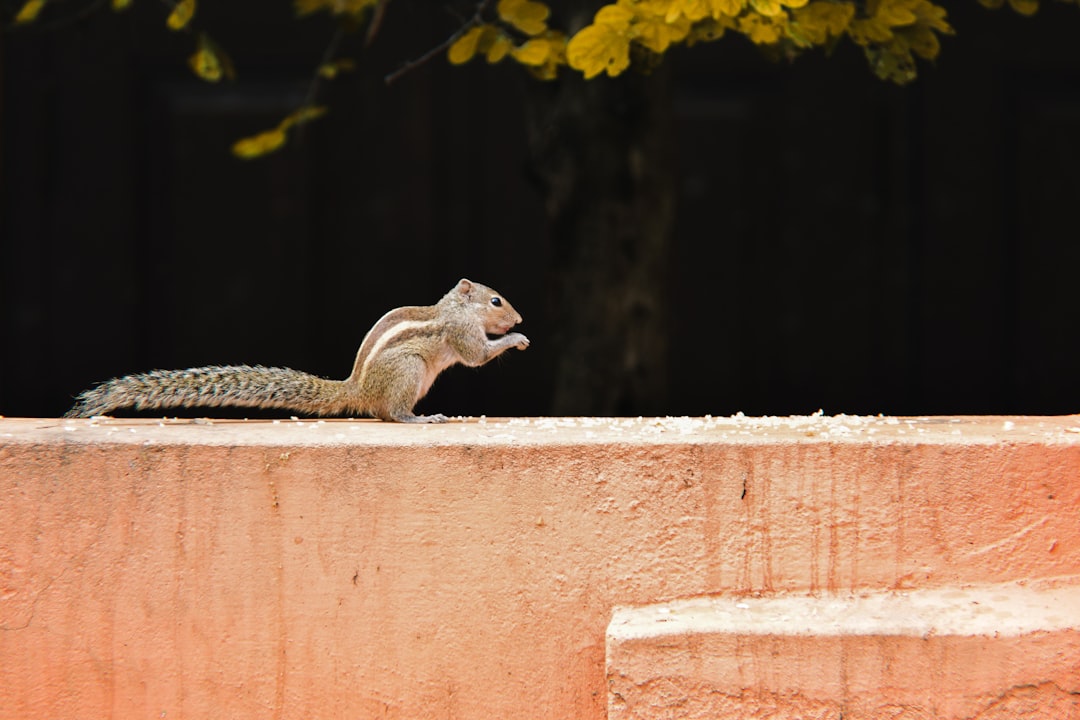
(995,651)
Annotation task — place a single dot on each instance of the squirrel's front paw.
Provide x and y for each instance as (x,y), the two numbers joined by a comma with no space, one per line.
(522,341)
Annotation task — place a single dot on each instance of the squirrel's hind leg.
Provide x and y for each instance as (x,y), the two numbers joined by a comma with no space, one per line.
(397,387)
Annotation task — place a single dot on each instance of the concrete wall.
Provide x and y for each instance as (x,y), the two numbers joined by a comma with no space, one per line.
(303,569)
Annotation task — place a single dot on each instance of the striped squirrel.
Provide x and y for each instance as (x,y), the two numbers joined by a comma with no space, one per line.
(398,361)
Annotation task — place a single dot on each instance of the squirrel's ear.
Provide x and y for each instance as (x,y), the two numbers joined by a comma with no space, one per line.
(464,286)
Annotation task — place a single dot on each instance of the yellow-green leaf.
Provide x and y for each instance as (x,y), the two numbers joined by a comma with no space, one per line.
(181,15)
(302,115)
(895,13)
(615,16)
(258,145)
(869,31)
(29,11)
(499,47)
(599,48)
(768,8)
(923,42)
(727,8)
(603,46)
(119,5)
(533,52)
(657,34)
(933,16)
(527,16)
(486,40)
(554,55)
(692,10)
(464,48)
(205,61)
(823,19)
(761,29)
(270,140)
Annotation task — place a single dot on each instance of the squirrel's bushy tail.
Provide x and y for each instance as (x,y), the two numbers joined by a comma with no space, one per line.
(215,386)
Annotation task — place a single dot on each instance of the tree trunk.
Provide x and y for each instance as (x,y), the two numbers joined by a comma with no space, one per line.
(601,151)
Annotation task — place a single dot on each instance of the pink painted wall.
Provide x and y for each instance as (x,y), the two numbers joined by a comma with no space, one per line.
(358,569)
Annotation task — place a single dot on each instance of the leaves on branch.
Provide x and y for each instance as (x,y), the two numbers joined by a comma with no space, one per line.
(270,140)
(894,35)
(892,32)
(521,33)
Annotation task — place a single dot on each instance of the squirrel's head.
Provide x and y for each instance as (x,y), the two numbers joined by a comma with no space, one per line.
(497,313)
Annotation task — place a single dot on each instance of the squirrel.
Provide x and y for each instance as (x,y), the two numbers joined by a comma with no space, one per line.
(396,365)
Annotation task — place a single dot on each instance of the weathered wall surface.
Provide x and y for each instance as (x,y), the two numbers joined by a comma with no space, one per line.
(358,569)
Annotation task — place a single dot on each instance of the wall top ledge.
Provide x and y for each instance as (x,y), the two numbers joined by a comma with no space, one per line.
(553,431)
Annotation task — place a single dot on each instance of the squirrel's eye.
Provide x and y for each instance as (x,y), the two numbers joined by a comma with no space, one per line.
(496,301)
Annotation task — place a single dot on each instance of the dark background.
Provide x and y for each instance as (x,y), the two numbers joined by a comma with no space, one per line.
(841,243)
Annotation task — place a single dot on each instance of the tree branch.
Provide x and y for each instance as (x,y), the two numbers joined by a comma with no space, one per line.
(328,55)
(376,22)
(476,19)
